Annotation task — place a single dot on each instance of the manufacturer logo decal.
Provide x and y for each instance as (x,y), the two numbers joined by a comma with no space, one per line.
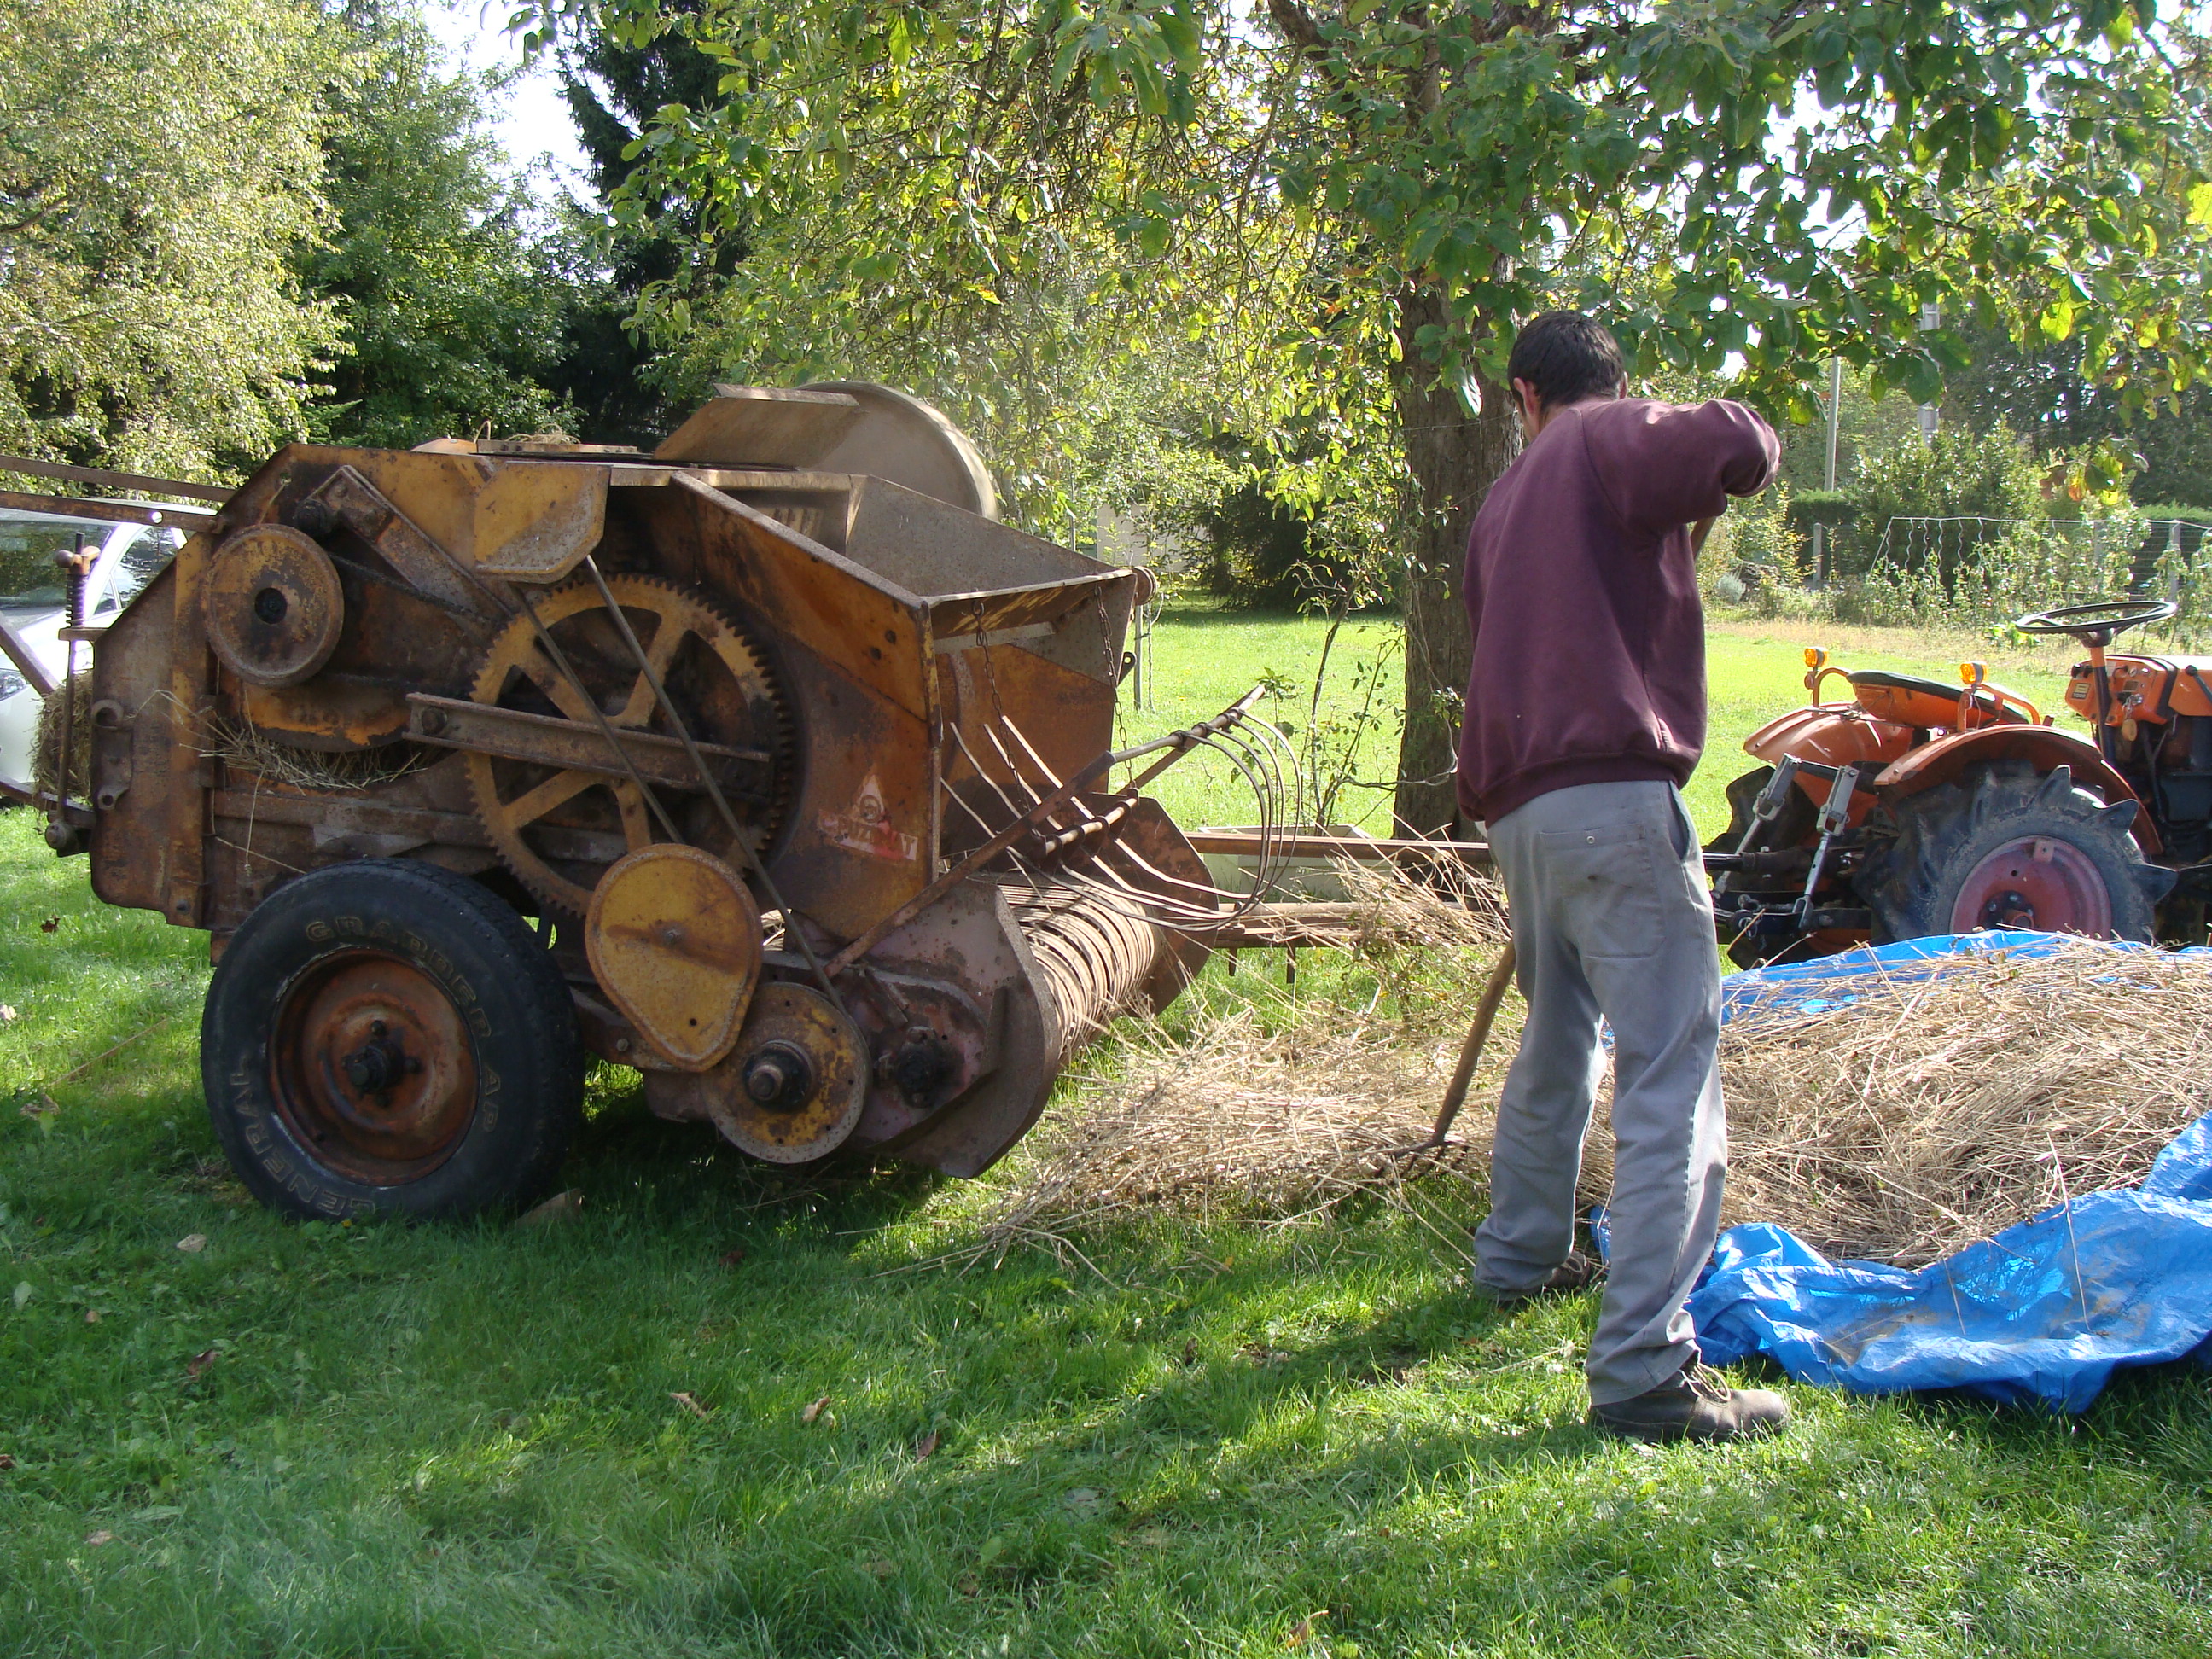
(865,827)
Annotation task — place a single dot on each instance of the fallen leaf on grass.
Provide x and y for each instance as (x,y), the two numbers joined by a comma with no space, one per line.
(7,1460)
(6,1011)
(1260,1354)
(199,1362)
(193,1244)
(97,1539)
(51,924)
(815,1410)
(1082,1497)
(22,1292)
(43,1107)
(1302,1632)
(1190,1351)
(691,1404)
(731,1258)
(92,1316)
(878,1568)
(967,1583)
(924,1446)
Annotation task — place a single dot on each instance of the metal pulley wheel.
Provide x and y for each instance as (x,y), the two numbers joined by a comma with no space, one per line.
(560,830)
(274,606)
(792,1090)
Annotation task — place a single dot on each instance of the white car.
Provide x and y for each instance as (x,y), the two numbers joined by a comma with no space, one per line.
(33,606)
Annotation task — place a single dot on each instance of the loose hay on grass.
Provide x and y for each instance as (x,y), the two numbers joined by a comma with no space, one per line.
(1917,1112)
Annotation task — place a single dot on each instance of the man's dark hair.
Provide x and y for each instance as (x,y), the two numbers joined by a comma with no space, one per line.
(1567,356)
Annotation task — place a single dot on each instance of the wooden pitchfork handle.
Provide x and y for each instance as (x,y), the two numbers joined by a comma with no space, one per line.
(1470,1052)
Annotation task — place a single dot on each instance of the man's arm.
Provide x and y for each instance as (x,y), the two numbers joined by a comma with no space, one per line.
(1664,464)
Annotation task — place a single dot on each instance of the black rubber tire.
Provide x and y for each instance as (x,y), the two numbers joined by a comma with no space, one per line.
(1945,832)
(502,989)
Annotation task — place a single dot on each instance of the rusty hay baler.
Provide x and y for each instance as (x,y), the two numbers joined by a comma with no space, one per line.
(769,765)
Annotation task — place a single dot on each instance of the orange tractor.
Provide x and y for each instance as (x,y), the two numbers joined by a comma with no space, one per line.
(1911,807)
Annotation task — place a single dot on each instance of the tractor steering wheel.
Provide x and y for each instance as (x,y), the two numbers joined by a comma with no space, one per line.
(2099,622)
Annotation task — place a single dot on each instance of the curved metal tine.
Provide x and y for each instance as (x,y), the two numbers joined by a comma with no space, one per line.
(713,789)
(1013,808)
(1014,771)
(1021,865)
(606,726)
(1163,912)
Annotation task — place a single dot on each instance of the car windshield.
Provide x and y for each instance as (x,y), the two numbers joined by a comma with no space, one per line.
(29,542)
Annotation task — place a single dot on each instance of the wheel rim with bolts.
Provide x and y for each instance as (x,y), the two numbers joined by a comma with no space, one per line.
(372,1068)
(2036,882)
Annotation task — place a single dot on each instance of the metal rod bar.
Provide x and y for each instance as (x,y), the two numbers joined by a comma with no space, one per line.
(95,475)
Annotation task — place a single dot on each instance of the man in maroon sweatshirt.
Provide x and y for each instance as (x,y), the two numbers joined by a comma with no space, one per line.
(1585,714)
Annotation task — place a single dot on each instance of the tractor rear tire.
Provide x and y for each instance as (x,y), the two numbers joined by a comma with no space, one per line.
(387,1037)
(2004,847)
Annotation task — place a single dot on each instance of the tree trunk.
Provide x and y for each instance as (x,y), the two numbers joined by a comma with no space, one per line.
(1454,458)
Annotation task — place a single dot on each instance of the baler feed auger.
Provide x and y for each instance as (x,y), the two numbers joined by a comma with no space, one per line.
(801,762)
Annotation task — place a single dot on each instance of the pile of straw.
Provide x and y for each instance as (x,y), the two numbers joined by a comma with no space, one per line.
(1946,1102)
(46,769)
(1934,1107)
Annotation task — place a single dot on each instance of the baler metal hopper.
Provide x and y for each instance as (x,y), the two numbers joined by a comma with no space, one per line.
(796,759)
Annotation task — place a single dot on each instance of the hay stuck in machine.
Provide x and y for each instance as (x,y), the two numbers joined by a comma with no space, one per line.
(769,765)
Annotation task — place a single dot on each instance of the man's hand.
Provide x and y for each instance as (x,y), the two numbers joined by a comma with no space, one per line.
(1698,531)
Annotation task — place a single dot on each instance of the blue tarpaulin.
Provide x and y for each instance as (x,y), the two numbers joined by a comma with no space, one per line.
(2046,1311)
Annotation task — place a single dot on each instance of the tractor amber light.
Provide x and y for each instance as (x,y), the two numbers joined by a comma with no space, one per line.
(1972,673)
(1815,658)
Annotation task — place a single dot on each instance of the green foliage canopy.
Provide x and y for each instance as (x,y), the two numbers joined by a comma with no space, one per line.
(159,163)
(450,297)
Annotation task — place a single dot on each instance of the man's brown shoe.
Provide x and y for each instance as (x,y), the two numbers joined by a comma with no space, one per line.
(1578,1273)
(1694,1404)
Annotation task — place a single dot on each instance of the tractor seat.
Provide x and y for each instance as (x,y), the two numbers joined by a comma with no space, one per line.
(1882,679)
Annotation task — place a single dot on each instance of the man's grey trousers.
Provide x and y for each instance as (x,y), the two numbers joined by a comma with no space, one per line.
(1611,917)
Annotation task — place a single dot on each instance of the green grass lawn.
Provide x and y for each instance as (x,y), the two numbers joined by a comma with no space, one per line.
(463,1440)
(1206,659)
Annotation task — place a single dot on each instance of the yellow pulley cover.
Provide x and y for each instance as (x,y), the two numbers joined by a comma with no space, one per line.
(674,938)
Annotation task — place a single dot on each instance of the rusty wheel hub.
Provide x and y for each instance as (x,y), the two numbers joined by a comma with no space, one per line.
(373,1068)
(2036,882)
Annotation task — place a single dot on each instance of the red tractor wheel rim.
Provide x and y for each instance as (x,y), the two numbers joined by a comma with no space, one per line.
(372,1068)
(2036,882)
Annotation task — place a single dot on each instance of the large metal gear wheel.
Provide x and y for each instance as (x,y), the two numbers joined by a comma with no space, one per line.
(559,830)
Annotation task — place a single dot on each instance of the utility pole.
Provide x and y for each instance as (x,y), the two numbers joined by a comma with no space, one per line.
(1835,424)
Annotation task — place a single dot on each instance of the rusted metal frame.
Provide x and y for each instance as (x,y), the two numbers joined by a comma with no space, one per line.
(78,507)
(377,520)
(269,803)
(792,931)
(1180,742)
(549,740)
(27,662)
(560,660)
(475,622)
(95,475)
